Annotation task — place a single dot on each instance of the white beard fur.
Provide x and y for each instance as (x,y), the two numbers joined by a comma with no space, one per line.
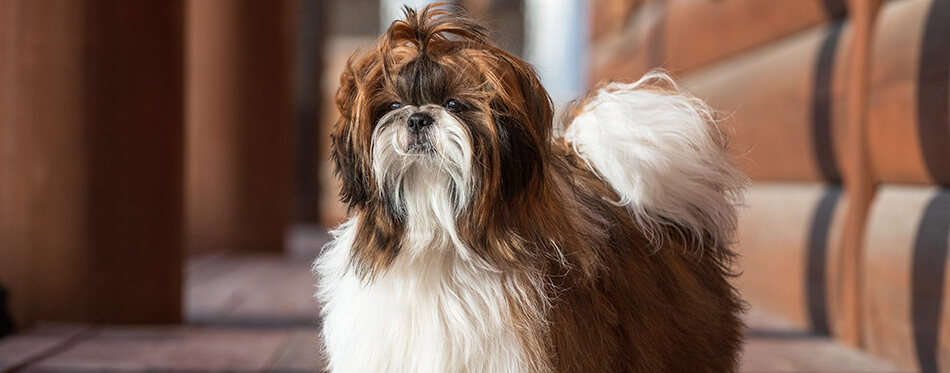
(438,308)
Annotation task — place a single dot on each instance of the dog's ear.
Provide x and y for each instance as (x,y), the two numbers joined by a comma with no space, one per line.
(352,133)
(521,111)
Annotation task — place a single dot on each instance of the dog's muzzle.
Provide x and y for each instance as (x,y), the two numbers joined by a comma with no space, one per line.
(418,131)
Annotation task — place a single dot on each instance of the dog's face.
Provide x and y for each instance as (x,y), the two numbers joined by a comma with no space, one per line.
(438,115)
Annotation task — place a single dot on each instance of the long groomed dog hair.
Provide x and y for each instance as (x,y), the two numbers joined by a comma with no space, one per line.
(479,241)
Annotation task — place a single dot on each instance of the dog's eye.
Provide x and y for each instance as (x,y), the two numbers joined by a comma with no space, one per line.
(393,106)
(453,105)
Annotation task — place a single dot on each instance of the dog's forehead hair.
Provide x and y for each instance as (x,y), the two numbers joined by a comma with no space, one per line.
(422,81)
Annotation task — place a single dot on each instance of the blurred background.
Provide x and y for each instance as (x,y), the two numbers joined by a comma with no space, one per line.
(164,181)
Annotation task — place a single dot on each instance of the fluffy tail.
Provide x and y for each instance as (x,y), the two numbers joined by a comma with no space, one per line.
(661,151)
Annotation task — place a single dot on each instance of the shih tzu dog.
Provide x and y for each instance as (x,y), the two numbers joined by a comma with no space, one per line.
(479,240)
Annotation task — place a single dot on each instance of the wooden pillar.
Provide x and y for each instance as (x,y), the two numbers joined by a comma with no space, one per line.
(310,65)
(91,141)
(858,180)
(239,119)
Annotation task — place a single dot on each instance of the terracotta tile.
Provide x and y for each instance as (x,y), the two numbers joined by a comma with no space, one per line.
(254,290)
(170,348)
(45,339)
(302,353)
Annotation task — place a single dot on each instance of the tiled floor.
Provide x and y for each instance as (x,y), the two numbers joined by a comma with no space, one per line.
(233,326)
(254,313)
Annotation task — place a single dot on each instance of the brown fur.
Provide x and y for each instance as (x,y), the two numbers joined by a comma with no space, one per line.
(616,301)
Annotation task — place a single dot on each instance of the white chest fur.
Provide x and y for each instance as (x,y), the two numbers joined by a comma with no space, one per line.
(428,313)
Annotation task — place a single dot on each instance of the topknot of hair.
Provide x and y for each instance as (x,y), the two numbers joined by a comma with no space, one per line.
(429,28)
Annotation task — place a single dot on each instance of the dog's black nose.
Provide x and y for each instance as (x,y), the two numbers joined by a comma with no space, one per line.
(418,121)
